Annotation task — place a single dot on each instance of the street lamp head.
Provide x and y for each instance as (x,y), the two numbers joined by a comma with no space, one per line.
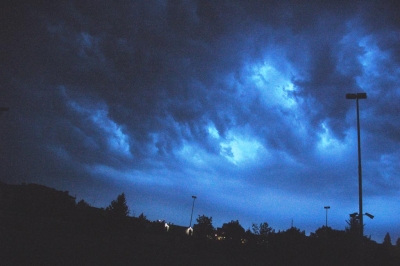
(194,197)
(327,207)
(369,215)
(360,95)
(351,96)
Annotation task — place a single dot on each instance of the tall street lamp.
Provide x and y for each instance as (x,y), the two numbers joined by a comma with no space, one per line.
(357,96)
(190,225)
(326,222)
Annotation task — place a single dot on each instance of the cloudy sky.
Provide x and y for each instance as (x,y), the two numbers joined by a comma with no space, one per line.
(241,103)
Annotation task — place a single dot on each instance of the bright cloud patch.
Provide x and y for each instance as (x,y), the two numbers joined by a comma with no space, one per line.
(213,132)
(274,85)
(235,148)
(328,144)
(117,140)
(195,155)
(238,149)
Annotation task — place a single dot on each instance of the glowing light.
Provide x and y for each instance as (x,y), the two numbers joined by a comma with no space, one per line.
(189,231)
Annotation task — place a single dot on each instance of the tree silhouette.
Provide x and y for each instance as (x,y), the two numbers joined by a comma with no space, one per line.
(261,232)
(233,230)
(255,228)
(265,229)
(142,217)
(142,224)
(204,227)
(117,213)
(322,232)
(118,208)
(353,228)
(82,204)
(387,241)
(398,242)
(294,233)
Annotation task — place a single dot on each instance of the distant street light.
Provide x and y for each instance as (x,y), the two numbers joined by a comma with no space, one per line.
(190,225)
(326,222)
(357,96)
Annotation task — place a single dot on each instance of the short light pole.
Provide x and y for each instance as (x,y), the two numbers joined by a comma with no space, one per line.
(326,220)
(357,96)
(326,233)
(190,225)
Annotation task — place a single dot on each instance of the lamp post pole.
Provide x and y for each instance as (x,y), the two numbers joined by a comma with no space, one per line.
(357,96)
(326,222)
(190,225)
(326,234)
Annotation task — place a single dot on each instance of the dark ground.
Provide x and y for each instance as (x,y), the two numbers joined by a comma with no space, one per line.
(35,240)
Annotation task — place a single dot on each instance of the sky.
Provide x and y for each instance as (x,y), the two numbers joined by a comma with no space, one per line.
(239,103)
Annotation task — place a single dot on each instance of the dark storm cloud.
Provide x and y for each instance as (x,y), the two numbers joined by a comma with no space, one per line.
(135,60)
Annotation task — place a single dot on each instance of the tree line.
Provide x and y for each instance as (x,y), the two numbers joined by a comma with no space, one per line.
(233,230)
(36,212)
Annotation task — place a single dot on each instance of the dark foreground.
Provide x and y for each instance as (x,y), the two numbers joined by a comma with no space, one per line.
(34,240)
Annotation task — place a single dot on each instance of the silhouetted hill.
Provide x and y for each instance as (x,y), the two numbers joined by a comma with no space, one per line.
(36,199)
